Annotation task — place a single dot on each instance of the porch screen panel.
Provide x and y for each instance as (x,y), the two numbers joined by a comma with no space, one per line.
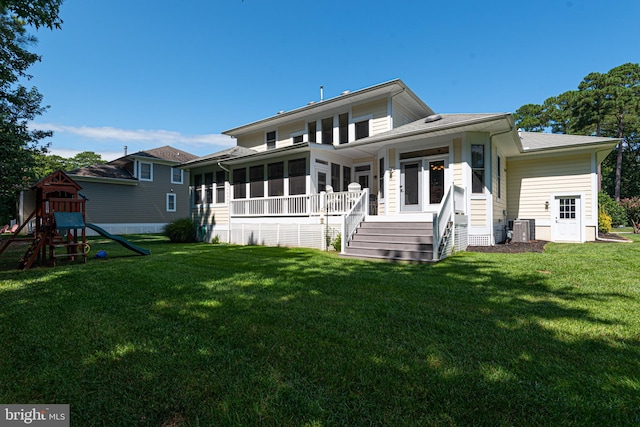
(256,177)
(208,187)
(276,179)
(335,177)
(197,189)
(346,178)
(220,181)
(297,176)
(240,183)
(436,181)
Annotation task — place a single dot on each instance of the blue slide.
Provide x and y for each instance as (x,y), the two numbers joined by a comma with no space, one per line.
(127,244)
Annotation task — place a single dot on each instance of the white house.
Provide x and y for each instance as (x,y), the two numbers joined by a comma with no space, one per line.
(427,183)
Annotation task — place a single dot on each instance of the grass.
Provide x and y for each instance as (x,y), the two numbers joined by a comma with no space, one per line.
(201,335)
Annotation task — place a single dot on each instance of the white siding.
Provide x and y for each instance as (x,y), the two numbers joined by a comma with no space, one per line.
(255,141)
(531,183)
(378,109)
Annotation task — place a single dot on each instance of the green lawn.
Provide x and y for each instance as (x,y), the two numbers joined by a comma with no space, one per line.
(227,335)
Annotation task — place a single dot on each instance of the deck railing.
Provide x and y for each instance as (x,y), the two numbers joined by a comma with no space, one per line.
(297,205)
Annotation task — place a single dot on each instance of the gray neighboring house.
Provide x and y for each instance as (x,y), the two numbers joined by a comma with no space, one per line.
(136,193)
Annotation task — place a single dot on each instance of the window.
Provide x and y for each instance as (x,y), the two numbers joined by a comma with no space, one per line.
(256,181)
(220,186)
(477,169)
(346,178)
(171,202)
(197,189)
(208,187)
(240,183)
(276,179)
(311,126)
(322,181)
(499,179)
(327,130)
(343,120)
(176,176)
(381,177)
(271,140)
(297,138)
(145,171)
(335,177)
(362,129)
(297,176)
(567,208)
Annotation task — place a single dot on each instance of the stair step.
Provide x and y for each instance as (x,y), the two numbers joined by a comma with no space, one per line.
(394,231)
(396,225)
(391,254)
(358,244)
(393,238)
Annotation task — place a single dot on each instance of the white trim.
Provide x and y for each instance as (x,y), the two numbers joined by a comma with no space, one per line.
(175,202)
(139,169)
(181,175)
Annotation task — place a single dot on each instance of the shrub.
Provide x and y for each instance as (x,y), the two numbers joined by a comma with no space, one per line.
(613,209)
(181,230)
(604,220)
(632,207)
(337,243)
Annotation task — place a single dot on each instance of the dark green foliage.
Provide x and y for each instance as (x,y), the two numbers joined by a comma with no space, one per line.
(181,230)
(613,209)
(20,105)
(604,105)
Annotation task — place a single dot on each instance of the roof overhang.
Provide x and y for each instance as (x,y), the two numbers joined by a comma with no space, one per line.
(499,126)
(262,155)
(103,180)
(393,88)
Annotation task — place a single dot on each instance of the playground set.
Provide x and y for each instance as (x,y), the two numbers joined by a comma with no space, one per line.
(60,223)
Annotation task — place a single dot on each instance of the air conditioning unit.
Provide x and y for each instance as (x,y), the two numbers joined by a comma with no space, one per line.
(521,230)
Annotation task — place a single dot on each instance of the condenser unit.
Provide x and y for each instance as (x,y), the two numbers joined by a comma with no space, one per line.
(521,230)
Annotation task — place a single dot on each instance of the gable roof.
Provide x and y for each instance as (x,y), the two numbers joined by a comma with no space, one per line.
(396,88)
(166,153)
(102,171)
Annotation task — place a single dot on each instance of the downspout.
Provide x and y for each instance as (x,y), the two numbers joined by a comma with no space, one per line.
(511,128)
(228,210)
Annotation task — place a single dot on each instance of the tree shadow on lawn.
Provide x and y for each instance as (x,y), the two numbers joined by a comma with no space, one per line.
(247,335)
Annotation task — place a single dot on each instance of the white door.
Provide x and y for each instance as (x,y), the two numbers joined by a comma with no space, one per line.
(567,218)
(410,186)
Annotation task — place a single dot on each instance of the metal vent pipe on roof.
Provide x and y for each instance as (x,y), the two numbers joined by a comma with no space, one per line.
(321,93)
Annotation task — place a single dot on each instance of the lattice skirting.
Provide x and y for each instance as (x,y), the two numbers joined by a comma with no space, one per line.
(480,240)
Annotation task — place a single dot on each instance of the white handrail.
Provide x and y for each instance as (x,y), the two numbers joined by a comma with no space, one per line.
(352,219)
(441,220)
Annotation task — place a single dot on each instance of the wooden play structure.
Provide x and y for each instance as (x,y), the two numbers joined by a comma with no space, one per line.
(59,223)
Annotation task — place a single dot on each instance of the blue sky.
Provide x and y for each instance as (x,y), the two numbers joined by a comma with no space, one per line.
(147,73)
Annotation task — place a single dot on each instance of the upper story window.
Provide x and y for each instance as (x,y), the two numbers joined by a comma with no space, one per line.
(343,123)
(362,129)
(311,130)
(297,137)
(177,176)
(271,140)
(327,130)
(145,171)
(477,169)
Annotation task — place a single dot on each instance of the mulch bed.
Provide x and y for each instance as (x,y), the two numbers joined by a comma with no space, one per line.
(513,247)
(536,245)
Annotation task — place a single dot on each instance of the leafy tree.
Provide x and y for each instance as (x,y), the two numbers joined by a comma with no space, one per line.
(47,163)
(18,104)
(632,207)
(604,105)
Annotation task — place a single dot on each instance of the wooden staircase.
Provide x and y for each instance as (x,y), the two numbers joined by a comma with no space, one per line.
(395,241)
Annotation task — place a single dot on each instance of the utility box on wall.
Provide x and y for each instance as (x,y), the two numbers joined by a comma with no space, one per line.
(521,230)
